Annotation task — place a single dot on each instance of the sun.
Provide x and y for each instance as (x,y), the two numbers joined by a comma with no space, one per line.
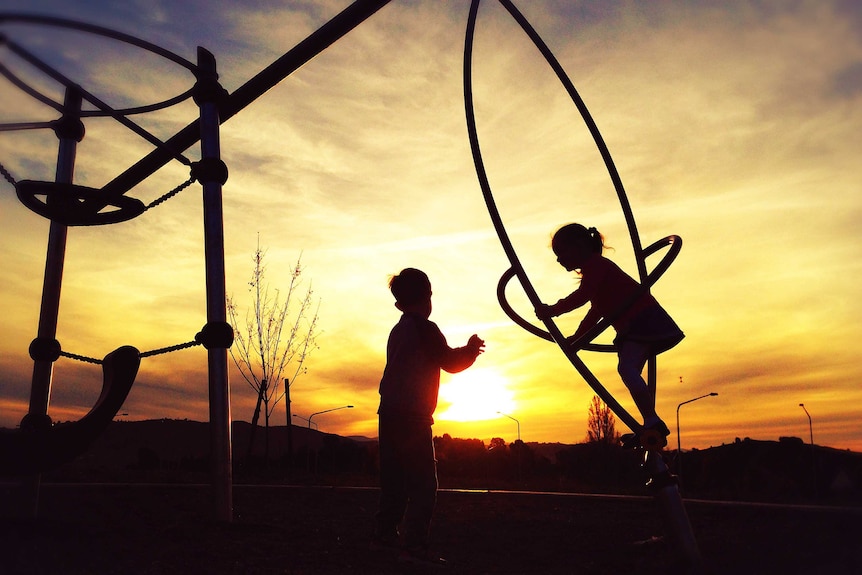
(475,395)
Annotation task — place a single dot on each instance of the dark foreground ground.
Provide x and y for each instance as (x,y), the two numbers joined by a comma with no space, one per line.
(154,529)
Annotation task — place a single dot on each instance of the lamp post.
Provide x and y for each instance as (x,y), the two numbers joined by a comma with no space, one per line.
(327,411)
(515,420)
(518,451)
(810,425)
(811,440)
(678,441)
(304,419)
(308,449)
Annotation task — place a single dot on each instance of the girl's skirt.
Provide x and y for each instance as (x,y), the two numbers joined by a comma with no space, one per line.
(654,327)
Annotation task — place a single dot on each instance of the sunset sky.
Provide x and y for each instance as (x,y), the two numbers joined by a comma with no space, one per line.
(734,125)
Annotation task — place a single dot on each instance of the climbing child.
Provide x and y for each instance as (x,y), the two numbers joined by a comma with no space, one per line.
(644,329)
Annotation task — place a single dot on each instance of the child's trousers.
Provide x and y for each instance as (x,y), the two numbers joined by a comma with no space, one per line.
(408,480)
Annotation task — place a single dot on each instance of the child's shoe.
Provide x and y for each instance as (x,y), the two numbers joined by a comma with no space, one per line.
(653,436)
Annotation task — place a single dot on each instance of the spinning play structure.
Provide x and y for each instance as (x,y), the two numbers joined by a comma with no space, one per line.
(38,445)
(663,484)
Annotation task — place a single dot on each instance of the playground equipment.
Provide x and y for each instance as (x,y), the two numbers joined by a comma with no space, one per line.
(662,483)
(40,445)
(67,204)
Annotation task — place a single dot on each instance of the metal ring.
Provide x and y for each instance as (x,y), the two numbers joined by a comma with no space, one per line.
(584,342)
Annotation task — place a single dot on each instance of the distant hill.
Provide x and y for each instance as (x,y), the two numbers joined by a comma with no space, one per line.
(168,450)
(778,471)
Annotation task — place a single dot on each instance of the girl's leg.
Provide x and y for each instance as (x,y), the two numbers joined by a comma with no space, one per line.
(633,357)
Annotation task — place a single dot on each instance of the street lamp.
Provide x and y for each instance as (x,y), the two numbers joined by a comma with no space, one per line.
(304,419)
(811,439)
(678,442)
(515,420)
(810,425)
(518,452)
(308,449)
(327,411)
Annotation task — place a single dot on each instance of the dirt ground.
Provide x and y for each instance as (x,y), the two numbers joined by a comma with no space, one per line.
(157,529)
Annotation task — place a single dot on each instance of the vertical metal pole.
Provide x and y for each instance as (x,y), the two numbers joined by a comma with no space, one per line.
(289,423)
(813,459)
(69,131)
(219,387)
(673,513)
(678,446)
(678,441)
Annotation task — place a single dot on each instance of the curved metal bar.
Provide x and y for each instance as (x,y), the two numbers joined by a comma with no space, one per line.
(675,243)
(68,83)
(314,44)
(585,341)
(533,329)
(141,109)
(510,311)
(591,125)
(494,213)
(36,95)
(99,30)
(29,90)
(39,446)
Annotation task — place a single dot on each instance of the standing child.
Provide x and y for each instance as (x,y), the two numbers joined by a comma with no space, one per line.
(415,354)
(644,329)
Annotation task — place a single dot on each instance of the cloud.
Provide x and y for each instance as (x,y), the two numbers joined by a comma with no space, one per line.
(733,125)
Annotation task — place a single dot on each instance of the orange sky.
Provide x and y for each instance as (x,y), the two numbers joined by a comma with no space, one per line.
(733,126)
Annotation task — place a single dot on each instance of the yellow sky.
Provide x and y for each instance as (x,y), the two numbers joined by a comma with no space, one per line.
(735,127)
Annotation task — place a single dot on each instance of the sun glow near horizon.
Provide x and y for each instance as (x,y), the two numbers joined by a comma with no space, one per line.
(477,394)
(360,161)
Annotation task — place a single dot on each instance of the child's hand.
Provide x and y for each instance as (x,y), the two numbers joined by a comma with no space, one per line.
(544,311)
(476,343)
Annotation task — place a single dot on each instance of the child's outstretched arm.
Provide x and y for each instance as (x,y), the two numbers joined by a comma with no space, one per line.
(460,358)
(589,321)
(565,305)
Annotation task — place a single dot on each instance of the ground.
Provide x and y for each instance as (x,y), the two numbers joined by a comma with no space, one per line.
(161,530)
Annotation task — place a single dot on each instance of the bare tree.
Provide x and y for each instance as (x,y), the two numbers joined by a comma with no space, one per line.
(601,423)
(275,342)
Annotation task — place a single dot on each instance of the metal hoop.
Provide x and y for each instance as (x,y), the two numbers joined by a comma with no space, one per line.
(585,341)
(517,269)
(86,206)
(100,31)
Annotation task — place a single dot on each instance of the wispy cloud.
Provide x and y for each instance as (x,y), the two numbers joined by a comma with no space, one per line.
(733,125)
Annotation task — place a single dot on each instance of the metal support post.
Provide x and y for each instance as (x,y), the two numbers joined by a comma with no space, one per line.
(674,516)
(69,131)
(212,178)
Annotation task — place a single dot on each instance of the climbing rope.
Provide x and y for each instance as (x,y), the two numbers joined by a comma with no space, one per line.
(160,351)
(171,348)
(171,194)
(215,334)
(6,174)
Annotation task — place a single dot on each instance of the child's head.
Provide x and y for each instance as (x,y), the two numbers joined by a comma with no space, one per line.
(573,243)
(412,290)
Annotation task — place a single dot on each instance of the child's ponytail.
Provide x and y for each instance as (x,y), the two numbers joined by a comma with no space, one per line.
(597,241)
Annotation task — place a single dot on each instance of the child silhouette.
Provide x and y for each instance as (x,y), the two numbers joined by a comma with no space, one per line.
(644,329)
